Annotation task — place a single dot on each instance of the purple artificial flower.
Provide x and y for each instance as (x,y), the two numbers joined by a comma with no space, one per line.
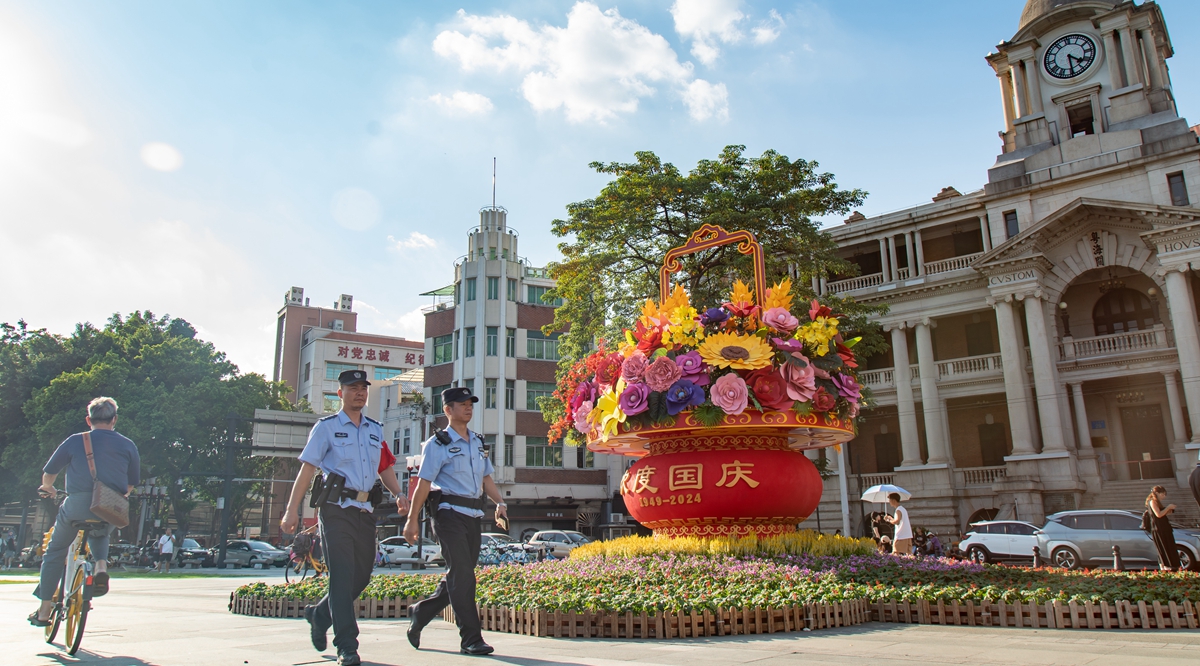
(692,366)
(585,392)
(714,317)
(635,399)
(681,395)
(847,387)
(789,345)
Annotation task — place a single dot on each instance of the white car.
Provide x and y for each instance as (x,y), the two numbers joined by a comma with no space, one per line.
(399,550)
(559,543)
(1000,540)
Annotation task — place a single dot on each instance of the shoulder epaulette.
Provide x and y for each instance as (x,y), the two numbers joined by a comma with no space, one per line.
(326,418)
(373,421)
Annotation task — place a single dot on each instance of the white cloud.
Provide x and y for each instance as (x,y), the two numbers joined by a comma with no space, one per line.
(705,100)
(161,156)
(598,66)
(768,30)
(707,22)
(355,208)
(415,240)
(468,103)
(52,128)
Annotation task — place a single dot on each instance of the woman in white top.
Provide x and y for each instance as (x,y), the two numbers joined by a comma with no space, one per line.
(902,542)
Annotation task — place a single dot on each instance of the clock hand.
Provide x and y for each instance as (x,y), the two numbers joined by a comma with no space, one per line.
(1072,60)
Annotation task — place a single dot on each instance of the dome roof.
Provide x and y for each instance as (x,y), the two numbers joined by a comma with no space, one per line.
(1035,9)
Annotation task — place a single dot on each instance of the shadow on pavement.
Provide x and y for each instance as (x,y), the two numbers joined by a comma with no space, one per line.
(85,657)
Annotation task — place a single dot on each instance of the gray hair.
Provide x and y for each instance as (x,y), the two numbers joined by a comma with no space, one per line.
(102,410)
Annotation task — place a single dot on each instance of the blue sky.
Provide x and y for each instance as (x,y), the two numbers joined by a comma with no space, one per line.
(199,159)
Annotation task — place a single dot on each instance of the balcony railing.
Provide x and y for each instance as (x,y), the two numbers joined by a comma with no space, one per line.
(877,377)
(982,476)
(868,480)
(860,282)
(951,264)
(972,365)
(903,273)
(1103,345)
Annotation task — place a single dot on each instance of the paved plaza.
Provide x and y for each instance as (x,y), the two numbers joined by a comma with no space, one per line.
(184,621)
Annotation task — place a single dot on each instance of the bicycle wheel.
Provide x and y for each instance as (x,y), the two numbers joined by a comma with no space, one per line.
(74,639)
(76,612)
(55,614)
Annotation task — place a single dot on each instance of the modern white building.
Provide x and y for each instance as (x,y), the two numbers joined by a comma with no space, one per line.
(1045,349)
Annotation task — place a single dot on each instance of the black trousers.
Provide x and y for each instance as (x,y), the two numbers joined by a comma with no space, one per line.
(459,536)
(348,537)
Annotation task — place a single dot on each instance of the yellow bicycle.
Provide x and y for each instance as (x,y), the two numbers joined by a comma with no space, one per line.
(303,560)
(72,599)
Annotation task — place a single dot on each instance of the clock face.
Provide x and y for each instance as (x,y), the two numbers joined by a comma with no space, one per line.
(1070,56)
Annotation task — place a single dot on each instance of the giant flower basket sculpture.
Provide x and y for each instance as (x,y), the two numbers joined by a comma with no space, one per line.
(718,404)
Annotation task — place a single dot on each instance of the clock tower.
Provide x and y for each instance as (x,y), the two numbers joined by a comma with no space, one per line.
(1081,68)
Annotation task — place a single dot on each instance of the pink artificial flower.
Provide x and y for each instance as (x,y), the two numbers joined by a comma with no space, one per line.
(781,320)
(801,382)
(662,373)
(692,366)
(581,417)
(729,393)
(634,367)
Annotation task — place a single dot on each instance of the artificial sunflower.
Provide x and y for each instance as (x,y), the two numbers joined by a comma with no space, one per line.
(731,350)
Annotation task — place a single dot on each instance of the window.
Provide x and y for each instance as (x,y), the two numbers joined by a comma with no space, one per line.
(331,403)
(1178,187)
(508,450)
(489,447)
(493,340)
(535,390)
(512,289)
(1088,521)
(407,441)
(510,394)
(437,398)
(1122,311)
(493,284)
(470,289)
(307,371)
(332,370)
(1081,119)
(1028,530)
(456,346)
(489,395)
(469,343)
(541,346)
(539,453)
(396,441)
(443,349)
(1120,521)
(1010,223)
(537,294)
(469,384)
(510,342)
(585,458)
(387,373)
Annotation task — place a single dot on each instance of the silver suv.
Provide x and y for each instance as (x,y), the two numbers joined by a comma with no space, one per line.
(1074,539)
(1000,540)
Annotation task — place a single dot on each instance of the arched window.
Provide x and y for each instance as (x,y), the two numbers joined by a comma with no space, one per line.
(1121,311)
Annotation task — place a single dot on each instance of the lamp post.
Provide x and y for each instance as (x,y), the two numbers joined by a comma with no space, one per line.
(1066,319)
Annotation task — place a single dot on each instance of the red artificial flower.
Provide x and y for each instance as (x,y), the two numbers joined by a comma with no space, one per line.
(847,355)
(608,371)
(769,388)
(649,338)
(743,310)
(818,310)
(823,401)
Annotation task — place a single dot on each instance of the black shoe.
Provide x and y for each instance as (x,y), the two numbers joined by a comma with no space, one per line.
(478,649)
(99,586)
(349,659)
(33,619)
(319,641)
(414,634)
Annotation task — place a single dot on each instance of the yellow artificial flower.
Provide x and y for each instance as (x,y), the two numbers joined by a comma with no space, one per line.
(779,296)
(683,328)
(818,334)
(607,414)
(741,293)
(731,350)
(678,298)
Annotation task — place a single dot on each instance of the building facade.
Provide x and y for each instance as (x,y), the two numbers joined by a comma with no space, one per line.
(489,338)
(1045,353)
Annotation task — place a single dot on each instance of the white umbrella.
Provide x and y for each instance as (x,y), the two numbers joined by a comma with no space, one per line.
(880,493)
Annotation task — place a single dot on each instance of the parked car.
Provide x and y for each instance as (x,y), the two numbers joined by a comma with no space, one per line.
(247,553)
(398,548)
(999,541)
(496,539)
(1074,539)
(559,543)
(190,552)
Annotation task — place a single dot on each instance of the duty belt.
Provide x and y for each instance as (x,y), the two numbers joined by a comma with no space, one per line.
(468,502)
(356,495)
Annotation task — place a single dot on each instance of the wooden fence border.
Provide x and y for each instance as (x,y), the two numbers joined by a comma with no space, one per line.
(1050,615)
(377,608)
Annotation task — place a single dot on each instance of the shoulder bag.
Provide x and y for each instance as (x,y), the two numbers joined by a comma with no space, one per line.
(109,505)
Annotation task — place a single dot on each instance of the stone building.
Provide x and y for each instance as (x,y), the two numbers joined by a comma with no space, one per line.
(1044,347)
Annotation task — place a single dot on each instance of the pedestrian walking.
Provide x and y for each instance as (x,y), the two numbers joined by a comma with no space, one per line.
(349,449)
(10,550)
(1161,530)
(902,541)
(456,470)
(117,465)
(166,550)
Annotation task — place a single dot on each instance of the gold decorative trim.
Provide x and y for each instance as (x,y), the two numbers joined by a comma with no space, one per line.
(720,443)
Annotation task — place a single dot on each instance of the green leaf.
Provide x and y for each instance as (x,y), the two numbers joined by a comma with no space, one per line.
(657,406)
(709,415)
(849,344)
(802,408)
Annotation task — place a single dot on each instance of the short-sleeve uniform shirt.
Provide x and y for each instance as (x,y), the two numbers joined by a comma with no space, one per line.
(337,446)
(456,468)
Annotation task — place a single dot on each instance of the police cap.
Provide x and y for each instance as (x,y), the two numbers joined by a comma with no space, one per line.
(458,394)
(353,377)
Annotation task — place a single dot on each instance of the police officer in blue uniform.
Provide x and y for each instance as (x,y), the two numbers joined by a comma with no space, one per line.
(455,465)
(346,448)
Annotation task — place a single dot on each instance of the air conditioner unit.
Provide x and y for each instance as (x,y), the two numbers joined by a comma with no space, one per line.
(347,303)
(616,519)
(338,325)
(295,296)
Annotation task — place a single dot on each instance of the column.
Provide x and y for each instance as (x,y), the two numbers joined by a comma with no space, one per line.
(1187,341)
(1007,96)
(1083,429)
(944,408)
(930,403)
(1044,376)
(1133,66)
(910,440)
(1035,85)
(1018,75)
(891,243)
(883,260)
(920,251)
(1176,407)
(816,285)
(910,255)
(1150,52)
(1013,358)
(1114,68)
(985,232)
